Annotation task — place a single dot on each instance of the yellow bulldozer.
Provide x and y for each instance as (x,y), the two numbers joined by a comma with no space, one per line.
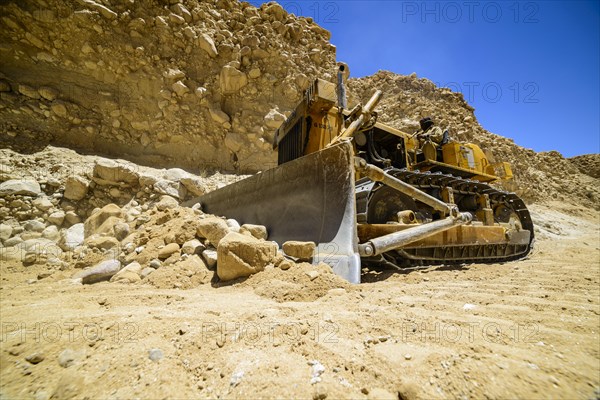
(373,196)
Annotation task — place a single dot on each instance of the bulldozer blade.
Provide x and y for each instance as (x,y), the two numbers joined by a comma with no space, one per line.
(308,199)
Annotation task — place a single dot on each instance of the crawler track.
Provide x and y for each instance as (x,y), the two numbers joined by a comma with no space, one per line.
(433,183)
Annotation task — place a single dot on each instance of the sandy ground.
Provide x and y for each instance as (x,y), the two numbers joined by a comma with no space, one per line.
(525,329)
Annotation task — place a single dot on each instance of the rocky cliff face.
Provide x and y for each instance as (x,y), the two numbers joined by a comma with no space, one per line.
(170,83)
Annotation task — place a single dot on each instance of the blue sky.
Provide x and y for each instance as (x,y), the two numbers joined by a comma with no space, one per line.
(530,68)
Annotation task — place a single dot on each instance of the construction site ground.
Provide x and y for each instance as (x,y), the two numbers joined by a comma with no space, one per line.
(526,329)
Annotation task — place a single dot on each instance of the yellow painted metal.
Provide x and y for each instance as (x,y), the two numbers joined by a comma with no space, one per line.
(458,235)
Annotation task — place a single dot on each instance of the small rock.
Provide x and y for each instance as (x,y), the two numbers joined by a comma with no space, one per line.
(101,242)
(100,272)
(312,274)
(317,370)
(231,80)
(286,264)
(72,237)
(56,218)
(241,255)
(156,264)
(76,188)
(258,231)
(210,258)
(72,218)
(31,257)
(193,185)
(42,204)
(48,93)
(170,188)
(233,225)
(121,230)
(35,358)
(116,171)
(274,119)
(59,108)
(51,233)
(407,356)
(146,271)
(166,202)
(207,44)
(301,250)
(254,73)
(180,88)
(193,246)
(320,393)
(103,220)
(34,226)
(168,250)
(5,231)
(155,354)
(28,91)
(23,187)
(44,275)
(66,358)
(468,306)
(213,229)
(218,115)
(129,274)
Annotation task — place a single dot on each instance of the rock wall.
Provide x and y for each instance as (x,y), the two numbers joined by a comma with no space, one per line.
(183,83)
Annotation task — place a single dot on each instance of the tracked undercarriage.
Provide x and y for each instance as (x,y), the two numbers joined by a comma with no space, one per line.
(374,200)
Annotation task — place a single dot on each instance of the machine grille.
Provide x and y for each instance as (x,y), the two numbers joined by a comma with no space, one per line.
(292,145)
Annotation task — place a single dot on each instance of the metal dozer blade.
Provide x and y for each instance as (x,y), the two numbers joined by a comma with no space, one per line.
(307,199)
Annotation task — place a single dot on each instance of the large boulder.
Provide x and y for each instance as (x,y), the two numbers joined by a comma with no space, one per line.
(5,232)
(170,188)
(99,272)
(23,187)
(129,274)
(72,237)
(76,188)
(102,221)
(213,229)
(194,185)
(117,172)
(231,80)
(241,255)
(208,45)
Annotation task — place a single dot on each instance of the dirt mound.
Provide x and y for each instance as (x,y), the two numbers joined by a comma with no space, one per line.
(302,282)
(539,177)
